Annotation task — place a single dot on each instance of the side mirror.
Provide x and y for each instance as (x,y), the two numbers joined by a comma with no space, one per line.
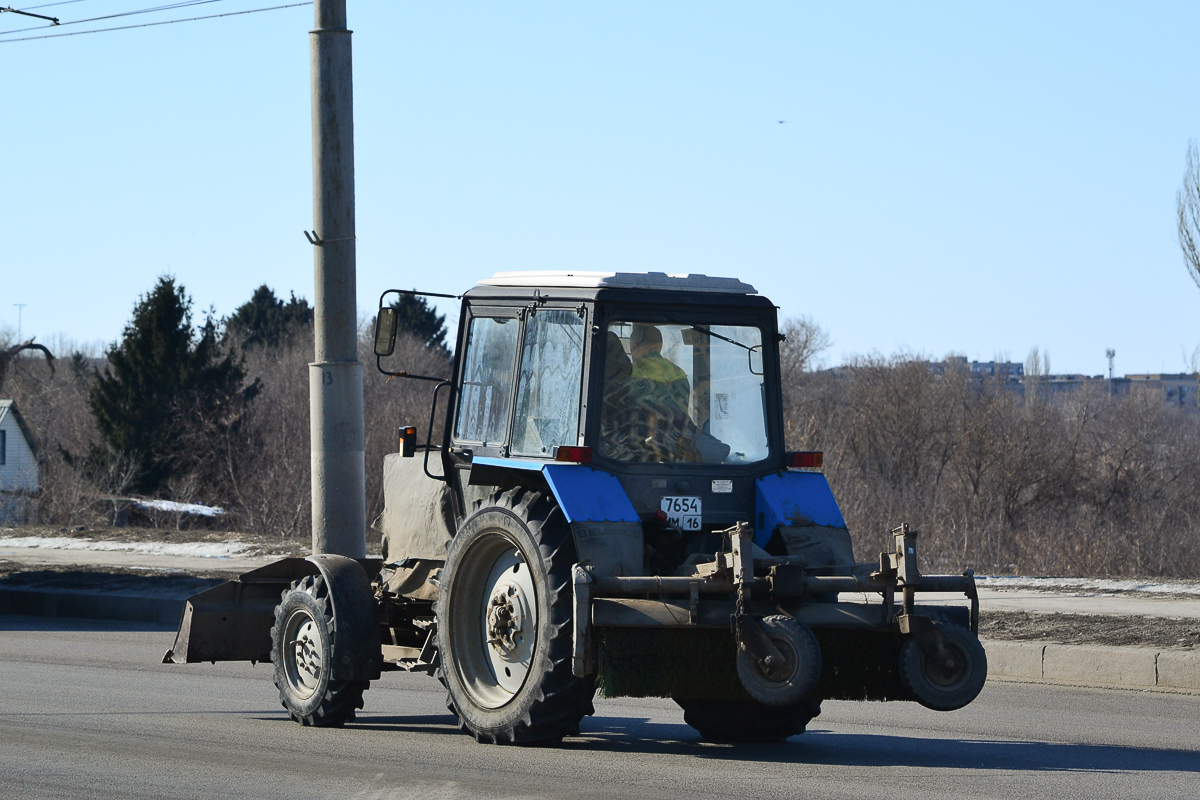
(385,331)
(756,360)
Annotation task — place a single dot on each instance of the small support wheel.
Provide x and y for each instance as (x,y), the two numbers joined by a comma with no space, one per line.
(950,678)
(790,681)
(302,641)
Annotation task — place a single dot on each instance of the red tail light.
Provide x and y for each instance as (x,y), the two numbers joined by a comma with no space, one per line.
(576,455)
(806,460)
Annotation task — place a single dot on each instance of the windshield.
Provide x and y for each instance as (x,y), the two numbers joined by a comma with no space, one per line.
(683,393)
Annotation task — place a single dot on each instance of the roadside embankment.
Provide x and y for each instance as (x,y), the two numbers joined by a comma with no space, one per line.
(123,574)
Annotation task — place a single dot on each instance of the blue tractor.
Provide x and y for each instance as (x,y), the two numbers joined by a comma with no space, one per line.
(603,504)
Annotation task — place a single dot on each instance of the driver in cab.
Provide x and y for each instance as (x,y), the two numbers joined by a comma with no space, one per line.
(666,382)
(659,395)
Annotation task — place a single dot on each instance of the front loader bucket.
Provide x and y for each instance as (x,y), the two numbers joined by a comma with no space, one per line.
(233,621)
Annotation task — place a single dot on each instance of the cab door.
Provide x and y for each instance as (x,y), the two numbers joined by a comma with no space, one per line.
(520,387)
(484,394)
(549,382)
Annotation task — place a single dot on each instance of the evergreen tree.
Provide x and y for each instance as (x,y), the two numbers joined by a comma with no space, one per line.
(168,396)
(266,320)
(416,316)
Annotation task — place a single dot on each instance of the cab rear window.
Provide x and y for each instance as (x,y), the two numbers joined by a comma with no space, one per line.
(683,393)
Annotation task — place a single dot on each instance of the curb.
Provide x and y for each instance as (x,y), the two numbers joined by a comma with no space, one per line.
(165,611)
(1094,666)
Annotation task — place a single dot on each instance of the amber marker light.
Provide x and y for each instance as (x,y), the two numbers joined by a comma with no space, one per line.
(408,441)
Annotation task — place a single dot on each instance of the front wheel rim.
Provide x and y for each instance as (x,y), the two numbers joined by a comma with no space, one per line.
(303,653)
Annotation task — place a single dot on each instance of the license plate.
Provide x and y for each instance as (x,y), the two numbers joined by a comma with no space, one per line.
(683,512)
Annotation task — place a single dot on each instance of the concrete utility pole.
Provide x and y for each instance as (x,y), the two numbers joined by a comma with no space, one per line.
(335,379)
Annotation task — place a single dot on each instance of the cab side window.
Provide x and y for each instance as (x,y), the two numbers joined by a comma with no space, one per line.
(549,383)
(483,409)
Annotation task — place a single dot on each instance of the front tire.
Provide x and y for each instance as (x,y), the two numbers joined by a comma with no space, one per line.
(504,623)
(302,640)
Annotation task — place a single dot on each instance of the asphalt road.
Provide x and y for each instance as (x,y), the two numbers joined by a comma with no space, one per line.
(89,712)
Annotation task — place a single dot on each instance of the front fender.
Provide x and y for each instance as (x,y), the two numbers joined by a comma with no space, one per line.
(356,655)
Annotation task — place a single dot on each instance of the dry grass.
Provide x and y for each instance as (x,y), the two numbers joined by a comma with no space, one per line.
(1079,484)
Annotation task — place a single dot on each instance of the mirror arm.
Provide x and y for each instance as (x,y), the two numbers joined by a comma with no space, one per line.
(419,294)
(402,373)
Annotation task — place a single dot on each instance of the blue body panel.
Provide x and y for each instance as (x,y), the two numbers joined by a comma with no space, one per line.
(793,498)
(583,493)
(508,463)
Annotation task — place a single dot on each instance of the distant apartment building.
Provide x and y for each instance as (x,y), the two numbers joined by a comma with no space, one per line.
(1065,384)
(1181,389)
(1177,389)
(1005,370)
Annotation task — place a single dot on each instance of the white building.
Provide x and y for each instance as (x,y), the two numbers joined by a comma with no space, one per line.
(18,468)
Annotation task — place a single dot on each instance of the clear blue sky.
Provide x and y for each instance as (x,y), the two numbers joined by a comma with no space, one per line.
(960,178)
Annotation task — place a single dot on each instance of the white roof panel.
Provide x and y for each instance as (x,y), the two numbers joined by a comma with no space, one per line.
(661,281)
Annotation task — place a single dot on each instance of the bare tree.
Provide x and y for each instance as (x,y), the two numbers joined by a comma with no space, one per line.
(803,341)
(8,354)
(1187,205)
(1037,369)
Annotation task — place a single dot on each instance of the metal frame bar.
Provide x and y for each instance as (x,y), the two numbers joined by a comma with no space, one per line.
(429,436)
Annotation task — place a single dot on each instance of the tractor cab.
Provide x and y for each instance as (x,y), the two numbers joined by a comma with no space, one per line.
(669,383)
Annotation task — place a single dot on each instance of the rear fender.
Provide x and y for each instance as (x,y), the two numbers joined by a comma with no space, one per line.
(606,528)
(800,506)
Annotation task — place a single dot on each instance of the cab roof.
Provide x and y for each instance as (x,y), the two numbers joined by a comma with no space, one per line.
(653,281)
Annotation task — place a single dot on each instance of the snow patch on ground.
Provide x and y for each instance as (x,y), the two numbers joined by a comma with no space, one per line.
(196,549)
(180,508)
(1088,586)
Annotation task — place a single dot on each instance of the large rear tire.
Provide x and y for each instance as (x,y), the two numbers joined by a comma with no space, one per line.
(504,623)
(747,720)
(952,682)
(302,639)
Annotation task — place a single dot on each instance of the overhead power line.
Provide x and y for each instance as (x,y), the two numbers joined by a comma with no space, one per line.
(151,10)
(154,24)
(59,3)
(10,9)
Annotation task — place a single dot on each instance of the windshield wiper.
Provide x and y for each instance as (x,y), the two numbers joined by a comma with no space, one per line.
(707,332)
